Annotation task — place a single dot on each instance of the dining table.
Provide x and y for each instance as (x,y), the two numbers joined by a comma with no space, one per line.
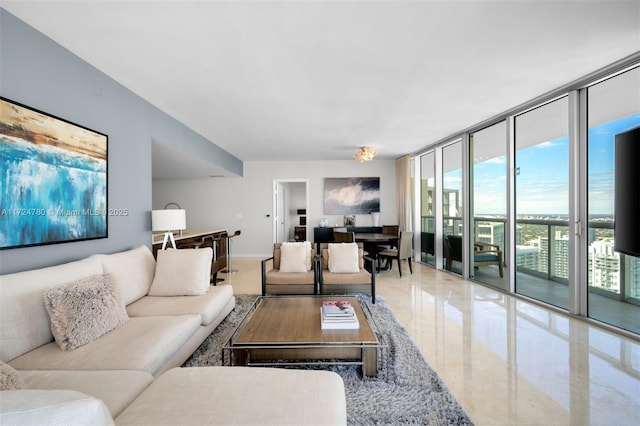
(374,243)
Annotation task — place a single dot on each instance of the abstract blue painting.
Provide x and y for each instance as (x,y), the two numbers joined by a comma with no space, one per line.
(53,179)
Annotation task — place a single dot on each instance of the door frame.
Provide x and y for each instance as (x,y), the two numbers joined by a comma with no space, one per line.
(274,222)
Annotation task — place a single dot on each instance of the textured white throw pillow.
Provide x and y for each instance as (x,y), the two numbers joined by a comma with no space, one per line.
(182,272)
(84,310)
(294,258)
(343,258)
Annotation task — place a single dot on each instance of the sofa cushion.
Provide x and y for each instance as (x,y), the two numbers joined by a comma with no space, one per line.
(142,343)
(361,277)
(52,407)
(83,310)
(208,306)
(219,395)
(116,388)
(24,321)
(278,277)
(10,379)
(343,258)
(133,271)
(184,272)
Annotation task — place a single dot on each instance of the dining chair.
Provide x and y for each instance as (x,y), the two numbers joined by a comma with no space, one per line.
(344,237)
(390,230)
(404,251)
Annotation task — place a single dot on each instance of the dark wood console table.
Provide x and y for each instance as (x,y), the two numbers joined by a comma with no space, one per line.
(214,238)
(325,234)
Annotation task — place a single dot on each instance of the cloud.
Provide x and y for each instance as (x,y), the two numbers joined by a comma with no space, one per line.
(548,144)
(496,160)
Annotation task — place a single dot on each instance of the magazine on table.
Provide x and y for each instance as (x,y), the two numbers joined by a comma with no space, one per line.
(337,308)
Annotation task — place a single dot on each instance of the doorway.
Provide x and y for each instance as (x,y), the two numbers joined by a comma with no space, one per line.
(290,210)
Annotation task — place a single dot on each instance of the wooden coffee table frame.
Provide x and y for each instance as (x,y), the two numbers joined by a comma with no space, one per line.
(286,330)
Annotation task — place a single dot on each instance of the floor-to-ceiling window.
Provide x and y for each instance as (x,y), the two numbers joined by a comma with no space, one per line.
(488,151)
(613,278)
(428,208)
(542,203)
(452,220)
(541,190)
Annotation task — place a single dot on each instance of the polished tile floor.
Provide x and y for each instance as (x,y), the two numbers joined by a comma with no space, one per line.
(507,361)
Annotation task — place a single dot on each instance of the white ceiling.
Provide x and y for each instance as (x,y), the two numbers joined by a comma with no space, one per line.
(313,80)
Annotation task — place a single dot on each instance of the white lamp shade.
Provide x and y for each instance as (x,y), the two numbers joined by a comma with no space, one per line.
(168,220)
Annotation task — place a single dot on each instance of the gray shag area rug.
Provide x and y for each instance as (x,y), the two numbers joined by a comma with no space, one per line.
(406,391)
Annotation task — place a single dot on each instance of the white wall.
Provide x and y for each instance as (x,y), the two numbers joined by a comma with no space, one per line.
(244,202)
(41,74)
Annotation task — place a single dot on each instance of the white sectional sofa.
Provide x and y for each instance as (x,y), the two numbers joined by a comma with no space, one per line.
(123,375)
(160,334)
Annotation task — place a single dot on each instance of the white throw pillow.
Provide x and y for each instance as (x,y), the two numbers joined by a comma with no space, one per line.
(306,245)
(343,258)
(84,310)
(183,272)
(293,258)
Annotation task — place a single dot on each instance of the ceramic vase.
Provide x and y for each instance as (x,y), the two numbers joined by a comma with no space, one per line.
(375,216)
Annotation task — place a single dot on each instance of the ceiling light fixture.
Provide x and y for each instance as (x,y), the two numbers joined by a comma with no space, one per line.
(365,153)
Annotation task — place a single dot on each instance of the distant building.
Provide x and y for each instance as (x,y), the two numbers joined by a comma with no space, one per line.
(555,257)
(527,257)
(490,232)
(604,266)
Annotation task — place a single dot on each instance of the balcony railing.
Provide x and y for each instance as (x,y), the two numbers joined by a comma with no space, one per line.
(542,250)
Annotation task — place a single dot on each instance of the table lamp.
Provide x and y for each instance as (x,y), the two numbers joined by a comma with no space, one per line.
(168,220)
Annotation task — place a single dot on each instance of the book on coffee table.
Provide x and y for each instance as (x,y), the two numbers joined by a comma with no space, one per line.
(338,323)
(337,308)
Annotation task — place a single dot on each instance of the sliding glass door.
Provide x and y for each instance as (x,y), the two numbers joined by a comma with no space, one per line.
(613,278)
(452,214)
(428,208)
(488,251)
(542,203)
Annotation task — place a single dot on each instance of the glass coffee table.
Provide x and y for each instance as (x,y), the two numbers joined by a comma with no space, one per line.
(286,330)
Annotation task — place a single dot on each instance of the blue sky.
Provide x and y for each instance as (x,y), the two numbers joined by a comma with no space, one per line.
(601,159)
(542,182)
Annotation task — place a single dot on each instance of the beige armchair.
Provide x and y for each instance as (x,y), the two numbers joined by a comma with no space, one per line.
(275,281)
(358,280)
